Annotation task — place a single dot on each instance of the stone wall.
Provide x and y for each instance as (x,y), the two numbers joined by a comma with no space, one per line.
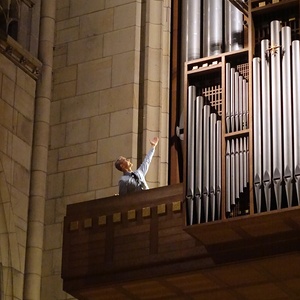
(17,97)
(110,96)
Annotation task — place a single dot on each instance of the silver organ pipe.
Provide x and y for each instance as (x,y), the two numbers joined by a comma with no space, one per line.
(288,175)
(232,99)
(245,104)
(245,159)
(228,178)
(276,111)
(236,160)
(240,102)
(212,165)
(212,24)
(236,100)
(206,113)
(277,117)
(212,27)
(296,114)
(228,92)
(190,156)
(237,168)
(191,42)
(234,25)
(257,153)
(198,156)
(203,189)
(219,167)
(236,96)
(193,38)
(242,166)
(232,171)
(266,121)
(236,164)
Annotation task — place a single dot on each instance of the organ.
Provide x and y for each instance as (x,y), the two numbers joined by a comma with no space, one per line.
(249,94)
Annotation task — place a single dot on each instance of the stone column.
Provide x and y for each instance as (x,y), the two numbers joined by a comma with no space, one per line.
(34,249)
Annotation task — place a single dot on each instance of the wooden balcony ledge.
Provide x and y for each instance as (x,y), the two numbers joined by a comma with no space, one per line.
(138,247)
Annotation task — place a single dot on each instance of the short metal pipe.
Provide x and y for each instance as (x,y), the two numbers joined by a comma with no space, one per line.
(232,173)
(193,37)
(228,177)
(245,160)
(212,27)
(237,169)
(241,159)
(234,28)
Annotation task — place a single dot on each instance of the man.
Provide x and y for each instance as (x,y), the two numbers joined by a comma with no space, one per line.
(134,181)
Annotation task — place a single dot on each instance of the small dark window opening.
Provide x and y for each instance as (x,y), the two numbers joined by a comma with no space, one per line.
(13,29)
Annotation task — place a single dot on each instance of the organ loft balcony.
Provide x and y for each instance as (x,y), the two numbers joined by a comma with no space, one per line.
(139,247)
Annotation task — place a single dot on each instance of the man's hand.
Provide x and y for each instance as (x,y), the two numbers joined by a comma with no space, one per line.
(154,142)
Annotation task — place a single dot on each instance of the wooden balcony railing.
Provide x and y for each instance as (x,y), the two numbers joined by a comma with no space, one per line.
(131,237)
(143,237)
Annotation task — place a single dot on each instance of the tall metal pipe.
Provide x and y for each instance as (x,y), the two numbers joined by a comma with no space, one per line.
(266,121)
(288,173)
(206,163)
(245,105)
(212,27)
(276,111)
(240,102)
(234,26)
(232,99)
(190,152)
(296,112)
(227,96)
(198,156)
(212,165)
(236,100)
(219,168)
(257,132)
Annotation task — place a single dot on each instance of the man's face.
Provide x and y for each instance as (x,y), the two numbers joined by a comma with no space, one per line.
(126,163)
